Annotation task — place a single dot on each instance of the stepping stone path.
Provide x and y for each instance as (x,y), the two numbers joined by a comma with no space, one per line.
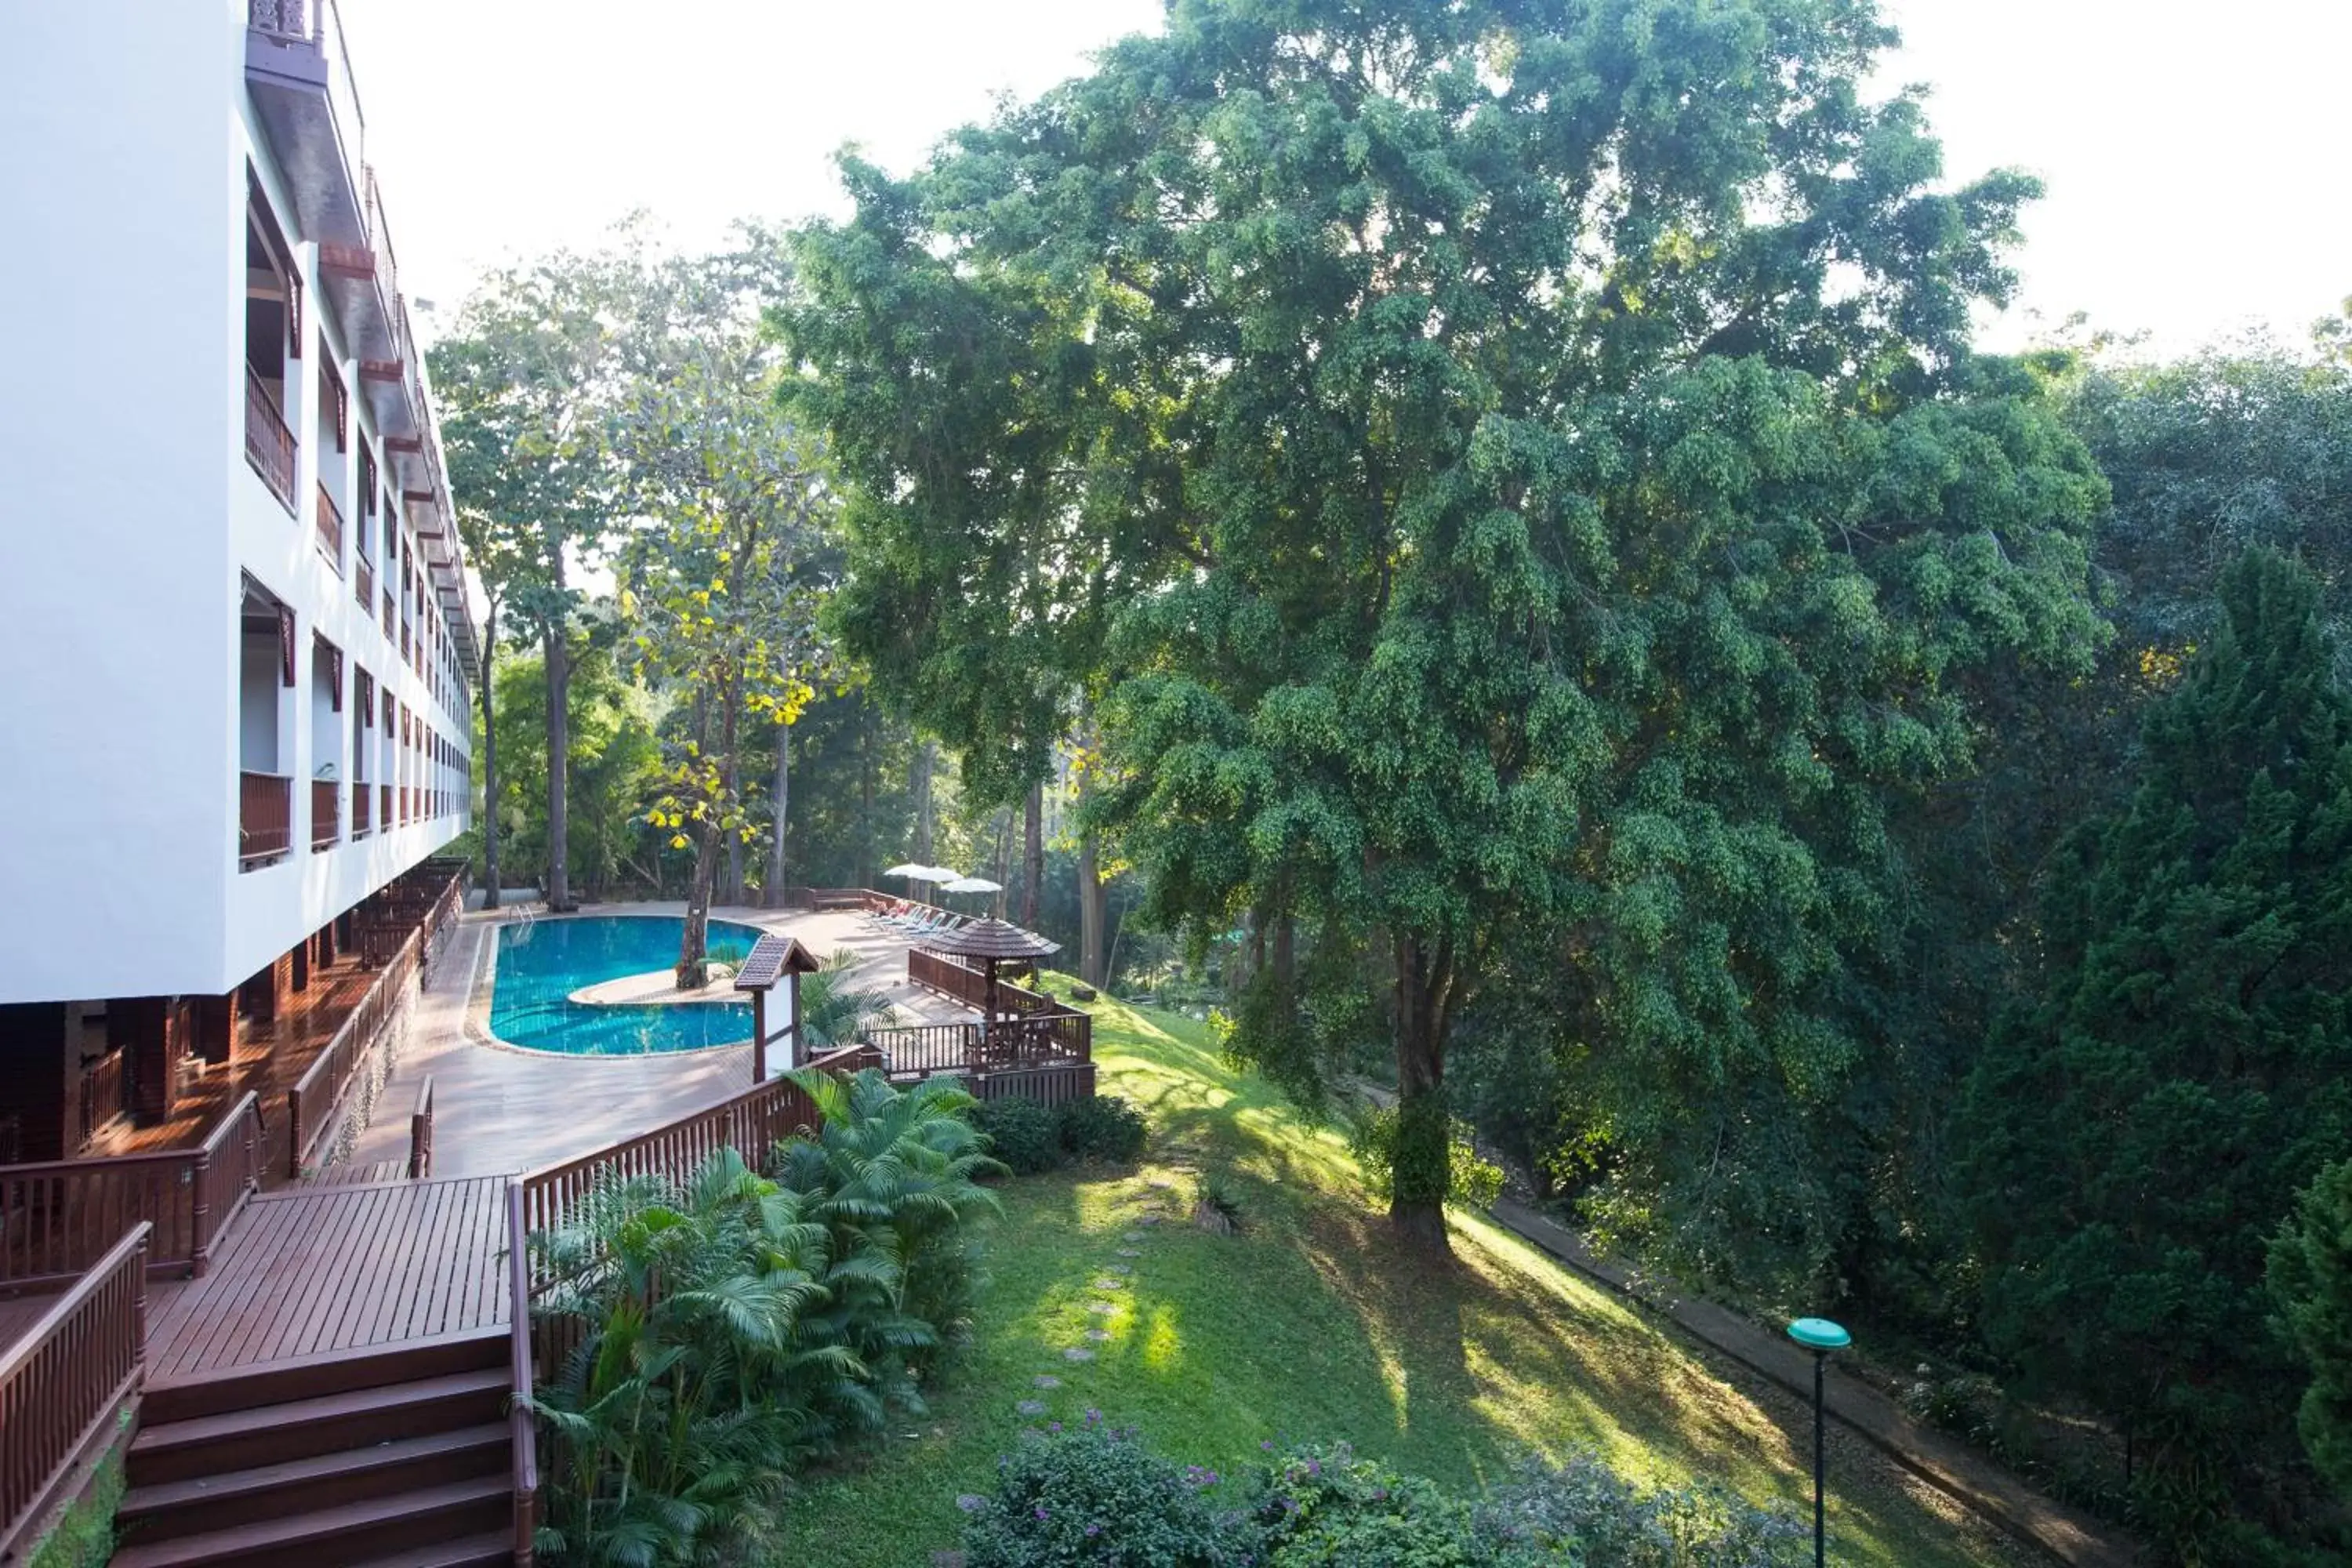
(1132,1251)
(1047,1380)
(1102,1309)
(1031,1407)
(1129,1236)
(1109,1283)
(1075,1354)
(1098,1334)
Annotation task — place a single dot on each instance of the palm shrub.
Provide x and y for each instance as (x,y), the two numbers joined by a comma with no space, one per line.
(834,1011)
(735,1327)
(895,1172)
(703,1369)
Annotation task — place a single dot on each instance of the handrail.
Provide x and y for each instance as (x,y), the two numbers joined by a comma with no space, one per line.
(229,1158)
(335,1067)
(420,1133)
(522,1426)
(63,1379)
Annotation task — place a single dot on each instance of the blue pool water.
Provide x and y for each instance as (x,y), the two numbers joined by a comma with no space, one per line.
(541,962)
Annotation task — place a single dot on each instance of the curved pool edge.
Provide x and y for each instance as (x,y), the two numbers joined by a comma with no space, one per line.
(481,1002)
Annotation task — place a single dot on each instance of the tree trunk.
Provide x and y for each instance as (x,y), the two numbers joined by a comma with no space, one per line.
(694,942)
(1001,871)
(926,760)
(733,778)
(868,866)
(489,765)
(558,767)
(1033,855)
(779,862)
(694,945)
(1421,1173)
(1093,914)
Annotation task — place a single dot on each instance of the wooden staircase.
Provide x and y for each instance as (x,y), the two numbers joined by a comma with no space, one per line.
(391,1459)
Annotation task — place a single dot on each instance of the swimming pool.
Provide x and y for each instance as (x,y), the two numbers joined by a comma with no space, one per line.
(541,962)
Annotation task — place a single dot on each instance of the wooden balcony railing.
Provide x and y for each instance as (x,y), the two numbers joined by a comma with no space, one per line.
(264,819)
(362,797)
(329,522)
(269,444)
(391,616)
(102,1095)
(60,1216)
(363,583)
(326,813)
(64,1381)
(383,800)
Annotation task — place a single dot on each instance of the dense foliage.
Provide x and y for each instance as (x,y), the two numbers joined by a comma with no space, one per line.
(1095,1494)
(1482,518)
(2132,1136)
(2311,1277)
(1031,1138)
(734,1328)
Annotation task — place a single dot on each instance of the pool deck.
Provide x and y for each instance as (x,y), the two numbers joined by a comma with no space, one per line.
(500,1110)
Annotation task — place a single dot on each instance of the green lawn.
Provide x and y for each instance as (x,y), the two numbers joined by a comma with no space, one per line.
(1311,1325)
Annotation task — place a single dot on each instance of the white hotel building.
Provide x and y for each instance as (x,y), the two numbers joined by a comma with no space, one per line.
(236,642)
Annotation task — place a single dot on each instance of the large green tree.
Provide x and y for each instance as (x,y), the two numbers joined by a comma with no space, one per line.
(527,380)
(717,580)
(2131,1139)
(2310,1274)
(1513,470)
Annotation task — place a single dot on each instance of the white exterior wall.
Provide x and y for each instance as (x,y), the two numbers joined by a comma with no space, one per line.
(131,514)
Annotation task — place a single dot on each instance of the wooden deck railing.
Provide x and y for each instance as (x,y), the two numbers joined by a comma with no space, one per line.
(312,1103)
(102,1097)
(329,524)
(326,813)
(264,818)
(420,1133)
(269,444)
(62,1382)
(57,1217)
(522,1426)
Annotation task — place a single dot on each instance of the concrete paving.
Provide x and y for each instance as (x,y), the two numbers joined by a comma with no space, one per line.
(500,1108)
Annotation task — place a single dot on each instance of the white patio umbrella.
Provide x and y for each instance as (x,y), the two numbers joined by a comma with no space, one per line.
(914,871)
(972,885)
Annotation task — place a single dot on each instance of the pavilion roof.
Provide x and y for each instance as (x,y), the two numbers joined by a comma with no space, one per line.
(770,957)
(990,939)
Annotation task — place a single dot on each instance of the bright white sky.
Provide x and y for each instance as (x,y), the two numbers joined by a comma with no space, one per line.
(2193,150)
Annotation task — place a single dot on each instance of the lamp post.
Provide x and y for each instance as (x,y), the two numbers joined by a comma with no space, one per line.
(1819,1336)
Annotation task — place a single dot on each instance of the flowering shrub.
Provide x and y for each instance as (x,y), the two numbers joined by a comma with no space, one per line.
(1094,1494)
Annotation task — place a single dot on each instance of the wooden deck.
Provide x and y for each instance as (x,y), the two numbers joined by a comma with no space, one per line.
(269,1059)
(315,1271)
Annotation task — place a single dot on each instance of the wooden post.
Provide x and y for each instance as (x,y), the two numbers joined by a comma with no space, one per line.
(36,1086)
(202,1257)
(759,1036)
(216,1027)
(792,1052)
(300,960)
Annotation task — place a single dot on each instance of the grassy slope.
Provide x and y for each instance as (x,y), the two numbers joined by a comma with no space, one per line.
(1311,1326)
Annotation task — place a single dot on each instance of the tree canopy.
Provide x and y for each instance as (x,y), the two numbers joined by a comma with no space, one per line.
(1516,472)
(2132,1135)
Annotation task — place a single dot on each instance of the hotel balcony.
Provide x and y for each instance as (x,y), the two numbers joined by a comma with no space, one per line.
(301,79)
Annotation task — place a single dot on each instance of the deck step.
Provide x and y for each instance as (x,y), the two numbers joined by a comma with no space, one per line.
(335,1372)
(403,1522)
(493,1549)
(169,1508)
(277,1434)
